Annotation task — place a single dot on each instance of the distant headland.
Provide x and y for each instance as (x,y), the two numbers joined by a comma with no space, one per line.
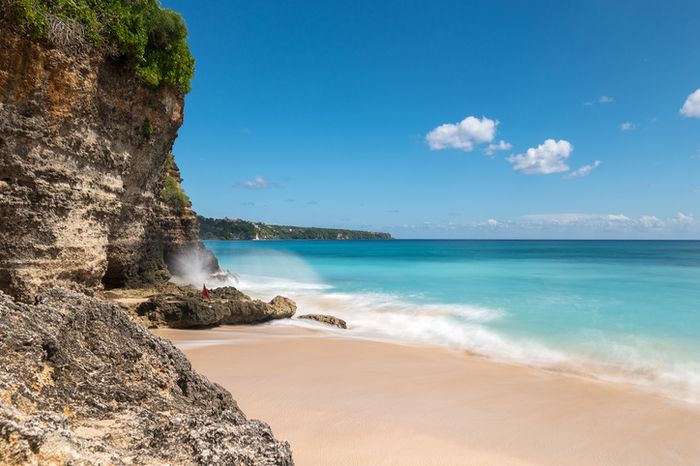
(237,229)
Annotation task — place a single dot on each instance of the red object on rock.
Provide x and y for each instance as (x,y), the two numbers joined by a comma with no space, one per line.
(205,292)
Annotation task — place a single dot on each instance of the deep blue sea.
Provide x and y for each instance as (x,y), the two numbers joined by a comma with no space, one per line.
(616,310)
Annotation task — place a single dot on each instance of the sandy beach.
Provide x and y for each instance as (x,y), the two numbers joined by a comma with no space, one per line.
(348,401)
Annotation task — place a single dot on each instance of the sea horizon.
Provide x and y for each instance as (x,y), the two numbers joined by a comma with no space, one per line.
(471,239)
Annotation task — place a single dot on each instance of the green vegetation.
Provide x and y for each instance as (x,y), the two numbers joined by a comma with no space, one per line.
(148,130)
(150,38)
(172,193)
(214,228)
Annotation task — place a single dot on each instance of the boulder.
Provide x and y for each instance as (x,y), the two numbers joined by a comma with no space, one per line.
(225,306)
(325,319)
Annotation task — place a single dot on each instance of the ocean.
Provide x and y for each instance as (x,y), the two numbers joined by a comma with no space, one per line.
(625,311)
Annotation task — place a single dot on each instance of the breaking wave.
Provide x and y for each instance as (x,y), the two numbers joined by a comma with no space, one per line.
(488,331)
(389,318)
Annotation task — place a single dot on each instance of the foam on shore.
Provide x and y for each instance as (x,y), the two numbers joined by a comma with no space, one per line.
(389,318)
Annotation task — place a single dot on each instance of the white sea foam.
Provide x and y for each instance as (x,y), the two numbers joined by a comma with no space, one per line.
(644,361)
(385,317)
(472,328)
(287,268)
(381,316)
(291,272)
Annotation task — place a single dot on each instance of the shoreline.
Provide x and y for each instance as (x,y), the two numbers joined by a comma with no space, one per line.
(404,404)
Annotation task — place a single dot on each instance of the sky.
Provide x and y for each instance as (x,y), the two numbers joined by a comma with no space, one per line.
(447,119)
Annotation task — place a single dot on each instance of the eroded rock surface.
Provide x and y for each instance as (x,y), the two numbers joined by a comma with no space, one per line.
(326,319)
(225,306)
(83,384)
(83,155)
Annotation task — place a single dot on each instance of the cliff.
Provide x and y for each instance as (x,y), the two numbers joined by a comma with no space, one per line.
(83,155)
(90,197)
(233,229)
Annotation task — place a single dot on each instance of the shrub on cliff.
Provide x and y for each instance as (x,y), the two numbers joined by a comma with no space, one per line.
(150,38)
(172,193)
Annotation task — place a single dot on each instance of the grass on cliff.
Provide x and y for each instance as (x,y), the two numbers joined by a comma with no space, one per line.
(150,38)
(172,193)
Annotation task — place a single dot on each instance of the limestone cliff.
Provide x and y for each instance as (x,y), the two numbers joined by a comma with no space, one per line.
(89,198)
(83,153)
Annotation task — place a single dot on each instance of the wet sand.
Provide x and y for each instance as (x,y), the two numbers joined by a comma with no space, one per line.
(354,402)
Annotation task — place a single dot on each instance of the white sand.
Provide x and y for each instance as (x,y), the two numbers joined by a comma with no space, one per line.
(350,402)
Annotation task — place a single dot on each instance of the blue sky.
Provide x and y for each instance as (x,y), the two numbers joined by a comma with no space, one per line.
(330,114)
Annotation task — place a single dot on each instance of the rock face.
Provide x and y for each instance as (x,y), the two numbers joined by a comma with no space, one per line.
(83,384)
(225,306)
(83,163)
(326,319)
(83,148)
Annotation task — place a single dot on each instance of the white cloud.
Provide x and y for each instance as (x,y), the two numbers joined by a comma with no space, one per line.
(650,221)
(259,182)
(463,135)
(583,171)
(691,107)
(561,219)
(502,145)
(618,218)
(549,157)
(627,126)
(683,219)
(610,221)
(561,225)
(603,99)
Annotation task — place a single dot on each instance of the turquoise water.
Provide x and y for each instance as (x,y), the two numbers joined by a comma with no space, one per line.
(620,310)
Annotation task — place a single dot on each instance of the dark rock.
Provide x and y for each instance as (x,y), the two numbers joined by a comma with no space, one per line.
(325,319)
(228,293)
(179,311)
(80,383)
(225,305)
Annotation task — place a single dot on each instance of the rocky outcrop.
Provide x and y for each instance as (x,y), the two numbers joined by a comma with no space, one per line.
(225,306)
(83,154)
(82,384)
(326,319)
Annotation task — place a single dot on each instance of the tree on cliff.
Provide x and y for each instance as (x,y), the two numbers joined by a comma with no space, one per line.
(149,38)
